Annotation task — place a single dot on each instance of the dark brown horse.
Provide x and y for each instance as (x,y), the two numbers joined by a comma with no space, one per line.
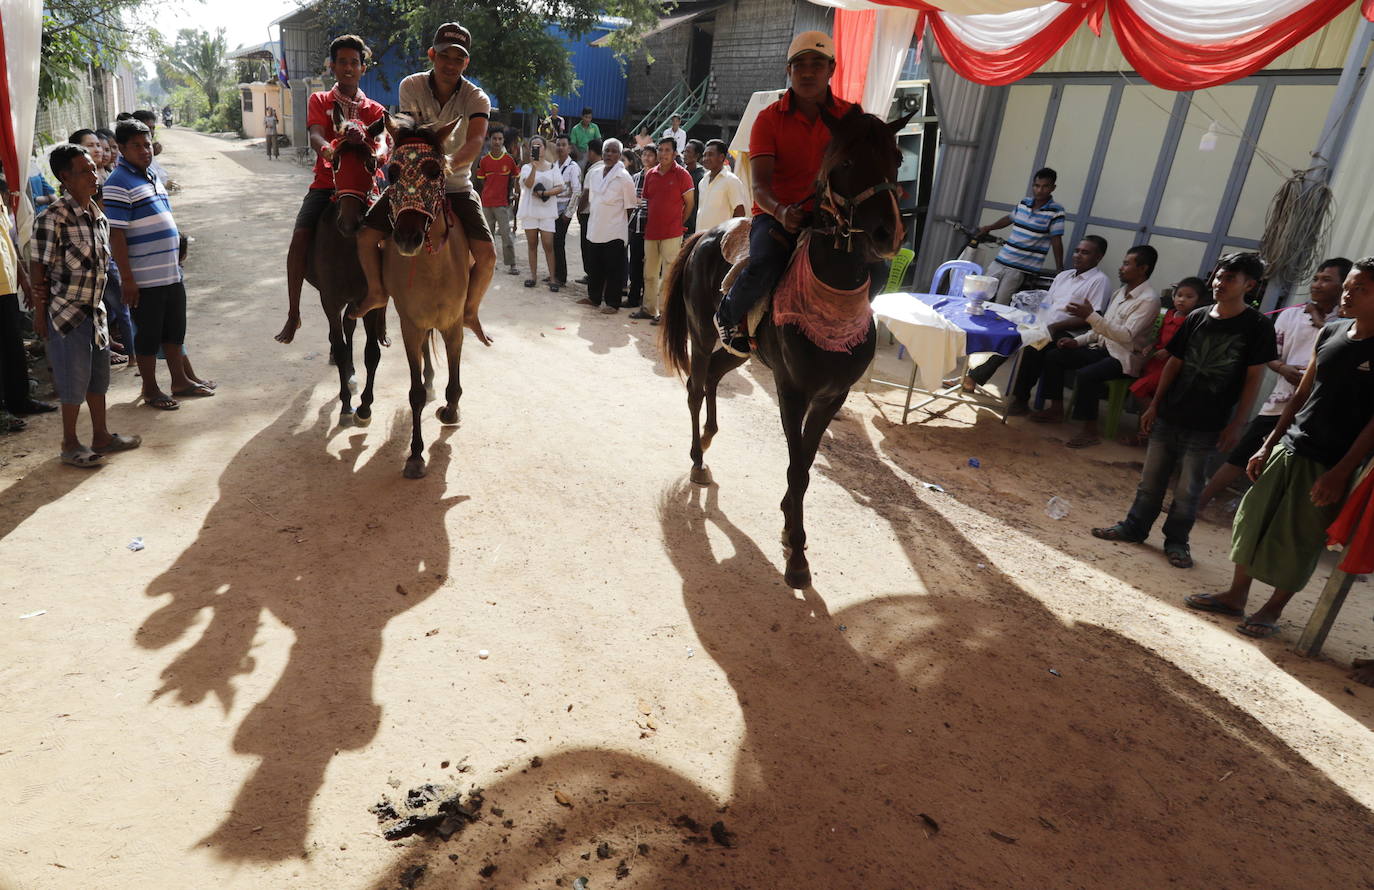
(333,268)
(858,223)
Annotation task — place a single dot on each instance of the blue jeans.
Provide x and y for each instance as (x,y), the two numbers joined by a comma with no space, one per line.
(770,247)
(1171,447)
(121,323)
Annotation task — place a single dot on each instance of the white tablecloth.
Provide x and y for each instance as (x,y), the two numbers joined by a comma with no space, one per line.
(936,344)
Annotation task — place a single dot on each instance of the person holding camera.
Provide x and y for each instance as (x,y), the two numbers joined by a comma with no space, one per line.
(540,184)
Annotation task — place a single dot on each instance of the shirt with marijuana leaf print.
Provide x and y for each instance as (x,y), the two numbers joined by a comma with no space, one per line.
(1216,354)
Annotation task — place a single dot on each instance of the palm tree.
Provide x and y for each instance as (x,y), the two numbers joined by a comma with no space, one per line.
(199,58)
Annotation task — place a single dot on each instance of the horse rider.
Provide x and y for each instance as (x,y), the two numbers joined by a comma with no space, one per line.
(348,58)
(438,96)
(785,150)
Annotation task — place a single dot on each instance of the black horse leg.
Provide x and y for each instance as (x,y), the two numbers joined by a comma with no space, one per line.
(804,422)
(453,350)
(696,389)
(342,353)
(415,341)
(372,355)
(722,363)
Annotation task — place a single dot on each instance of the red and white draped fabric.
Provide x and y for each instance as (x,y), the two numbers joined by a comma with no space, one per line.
(1174,44)
(20,36)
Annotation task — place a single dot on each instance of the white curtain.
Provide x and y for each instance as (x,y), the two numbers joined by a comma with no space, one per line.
(893,32)
(23,34)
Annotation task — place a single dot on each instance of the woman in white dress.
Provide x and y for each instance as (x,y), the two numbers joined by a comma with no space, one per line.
(540,184)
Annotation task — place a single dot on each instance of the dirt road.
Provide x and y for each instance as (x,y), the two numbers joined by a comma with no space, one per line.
(973,694)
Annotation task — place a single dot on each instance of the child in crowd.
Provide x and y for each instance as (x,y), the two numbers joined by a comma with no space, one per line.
(69,256)
(1302,472)
(1216,362)
(1189,294)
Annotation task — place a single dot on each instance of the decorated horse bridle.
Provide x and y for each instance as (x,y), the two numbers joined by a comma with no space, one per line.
(842,210)
(416,177)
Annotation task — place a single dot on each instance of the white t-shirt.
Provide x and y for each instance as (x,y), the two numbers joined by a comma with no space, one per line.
(678,136)
(717,198)
(1092,286)
(531,207)
(610,198)
(416,96)
(1297,337)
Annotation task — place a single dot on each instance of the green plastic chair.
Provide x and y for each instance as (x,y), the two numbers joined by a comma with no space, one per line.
(899,266)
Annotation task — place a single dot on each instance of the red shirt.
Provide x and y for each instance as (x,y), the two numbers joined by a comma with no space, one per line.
(795,144)
(320,111)
(663,193)
(494,173)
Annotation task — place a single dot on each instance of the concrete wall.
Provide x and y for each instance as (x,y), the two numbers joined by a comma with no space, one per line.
(264,95)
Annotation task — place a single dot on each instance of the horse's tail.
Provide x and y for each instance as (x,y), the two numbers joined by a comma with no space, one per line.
(673,340)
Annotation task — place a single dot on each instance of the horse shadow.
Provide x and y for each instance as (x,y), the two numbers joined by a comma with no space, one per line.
(914,739)
(273,543)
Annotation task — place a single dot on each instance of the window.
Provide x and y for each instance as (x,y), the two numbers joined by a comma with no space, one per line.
(247,100)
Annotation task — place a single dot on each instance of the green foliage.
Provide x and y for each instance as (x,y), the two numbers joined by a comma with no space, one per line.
(197,58)
(76,34)
(513,56)
(227,117)
(188,103)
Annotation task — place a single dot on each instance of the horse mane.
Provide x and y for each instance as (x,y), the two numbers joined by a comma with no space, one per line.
(405,127)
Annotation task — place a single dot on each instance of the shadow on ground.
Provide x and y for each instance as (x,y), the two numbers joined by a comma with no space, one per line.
(920,740)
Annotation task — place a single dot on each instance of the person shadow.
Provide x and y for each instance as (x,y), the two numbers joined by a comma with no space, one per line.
(284,539)
(915,738)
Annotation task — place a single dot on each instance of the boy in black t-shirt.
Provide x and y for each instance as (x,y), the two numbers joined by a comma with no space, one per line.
(1216,363)
(1281,526)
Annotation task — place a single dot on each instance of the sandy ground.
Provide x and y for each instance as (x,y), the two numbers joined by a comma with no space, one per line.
(973,695)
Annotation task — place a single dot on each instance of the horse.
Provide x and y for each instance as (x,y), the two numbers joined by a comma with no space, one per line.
(425,266)
(332,267)
(860,223)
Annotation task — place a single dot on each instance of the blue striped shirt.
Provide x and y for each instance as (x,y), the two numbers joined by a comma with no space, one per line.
(1031,231)
(137,203)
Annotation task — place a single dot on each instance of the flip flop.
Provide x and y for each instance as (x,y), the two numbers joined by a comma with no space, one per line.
(162,402)
(1045,417)
(119,443)
(1207,602)
(1267,628)
(1179,556)
(83,457)
(1083,442)
(1115,533)
(194,391)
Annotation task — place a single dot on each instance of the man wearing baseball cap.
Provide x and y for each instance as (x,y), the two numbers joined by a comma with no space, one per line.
(785,150)
(438,96)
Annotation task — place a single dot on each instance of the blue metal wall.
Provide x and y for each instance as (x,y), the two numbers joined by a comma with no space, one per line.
(603,83)
(392,68)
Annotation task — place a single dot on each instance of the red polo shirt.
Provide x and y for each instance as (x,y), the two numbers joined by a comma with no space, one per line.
(663,192)
(795,144)
(319,109)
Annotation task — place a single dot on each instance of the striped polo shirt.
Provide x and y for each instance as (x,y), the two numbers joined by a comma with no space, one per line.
(1031,231)
(137,203)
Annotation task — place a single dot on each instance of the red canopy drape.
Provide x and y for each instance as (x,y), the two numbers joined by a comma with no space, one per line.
(9,153)
(853,44)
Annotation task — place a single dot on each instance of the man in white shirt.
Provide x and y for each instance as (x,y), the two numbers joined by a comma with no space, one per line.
(610,197)
(1084,283)
(1296,329)
(720,194)
(1114,346)
(567,206)
(677,134)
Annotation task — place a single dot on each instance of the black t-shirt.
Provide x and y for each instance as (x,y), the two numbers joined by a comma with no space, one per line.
(1342,398)
(1216,354)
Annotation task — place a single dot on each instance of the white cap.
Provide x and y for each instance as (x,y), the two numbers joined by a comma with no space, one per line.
(817,42)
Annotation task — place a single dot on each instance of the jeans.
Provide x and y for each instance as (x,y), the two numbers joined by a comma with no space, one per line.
(560,248)
(498,220)
(1171,447)
(605,272)
(634,279)
(1094,368)
(770,247)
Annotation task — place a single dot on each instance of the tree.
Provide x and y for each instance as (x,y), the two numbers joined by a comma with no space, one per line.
(198,59)
(77,33)
(514,56)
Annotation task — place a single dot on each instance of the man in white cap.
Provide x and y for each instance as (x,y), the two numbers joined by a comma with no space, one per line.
(785,150)
(437,97)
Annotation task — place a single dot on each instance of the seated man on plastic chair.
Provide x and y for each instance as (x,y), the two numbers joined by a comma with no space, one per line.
(1114,346)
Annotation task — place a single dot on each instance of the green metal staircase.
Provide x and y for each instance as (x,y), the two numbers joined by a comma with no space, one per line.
(683,99)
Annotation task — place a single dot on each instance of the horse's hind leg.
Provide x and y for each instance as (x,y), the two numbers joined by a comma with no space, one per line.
(696,391)
(372,355)
(722,363)
(342,352)
(415,340)
(453,350)
(804,429)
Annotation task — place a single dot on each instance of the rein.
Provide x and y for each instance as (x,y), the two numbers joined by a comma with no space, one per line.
(842,210)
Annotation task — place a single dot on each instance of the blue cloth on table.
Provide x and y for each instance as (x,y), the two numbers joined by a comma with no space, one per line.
(988,332)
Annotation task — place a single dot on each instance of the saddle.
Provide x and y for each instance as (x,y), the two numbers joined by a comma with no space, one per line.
(835,320)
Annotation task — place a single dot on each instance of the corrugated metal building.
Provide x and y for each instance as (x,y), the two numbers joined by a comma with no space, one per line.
(600,73)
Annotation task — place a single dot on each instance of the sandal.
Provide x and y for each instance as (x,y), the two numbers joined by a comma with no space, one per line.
(1082,441)
(194,391)
(82,457)
(162,402)
(119,443)
(1208,602)
(1117,532)
(529,282)
(1179,557)
(11,424)
(1265,630)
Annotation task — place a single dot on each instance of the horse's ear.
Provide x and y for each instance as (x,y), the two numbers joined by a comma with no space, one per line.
(375,129)
(390,123)
(441,133)
(831,122)
(900,123)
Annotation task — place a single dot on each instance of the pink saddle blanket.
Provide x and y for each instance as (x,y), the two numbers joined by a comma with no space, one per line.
(835,320)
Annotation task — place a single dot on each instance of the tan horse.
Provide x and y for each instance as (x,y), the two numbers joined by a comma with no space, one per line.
(425,267)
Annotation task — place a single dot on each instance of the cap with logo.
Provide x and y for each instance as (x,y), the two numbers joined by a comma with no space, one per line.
(817,42)
(452,35)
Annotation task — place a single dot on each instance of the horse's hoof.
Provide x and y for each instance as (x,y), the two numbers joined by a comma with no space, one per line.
(797,579)
(701,475)
(359,420)
(447,416)
(415,468)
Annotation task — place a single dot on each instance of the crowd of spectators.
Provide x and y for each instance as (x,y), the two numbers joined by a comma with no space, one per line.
(101,285)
